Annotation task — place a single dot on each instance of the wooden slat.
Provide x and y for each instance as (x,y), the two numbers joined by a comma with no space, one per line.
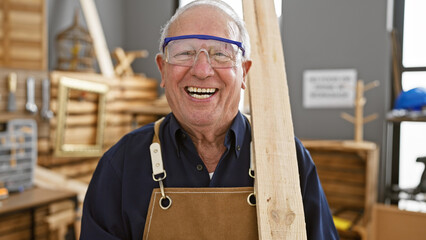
(81,168)
(279,202)
(48,160)
(342,176)
(340,200)
(97,34)
(348,190)
(14,222)
(339,160)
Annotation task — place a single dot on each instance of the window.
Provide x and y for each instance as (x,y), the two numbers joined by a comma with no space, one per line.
(410,22)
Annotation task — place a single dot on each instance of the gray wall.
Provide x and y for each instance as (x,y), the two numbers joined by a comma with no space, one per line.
(142,31)
(317,34)
(61,16)
(335,34)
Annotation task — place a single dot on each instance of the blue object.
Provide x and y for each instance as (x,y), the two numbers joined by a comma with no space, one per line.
(204,37)
(413,99)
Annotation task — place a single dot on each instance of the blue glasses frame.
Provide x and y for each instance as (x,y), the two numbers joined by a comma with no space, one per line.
(205,37)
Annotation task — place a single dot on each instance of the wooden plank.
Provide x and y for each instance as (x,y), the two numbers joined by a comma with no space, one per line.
(14,222)
(46,178)
(87,134)
(81,168)
(19,235)
(337,200)
(342,176)
(48,160)
(113,94)
(279,202)
(339,160)
(95,28)
(348,190)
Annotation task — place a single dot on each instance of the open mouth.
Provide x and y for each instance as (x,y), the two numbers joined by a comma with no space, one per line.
(200,93)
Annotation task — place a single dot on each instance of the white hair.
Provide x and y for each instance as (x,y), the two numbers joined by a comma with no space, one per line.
(224,7)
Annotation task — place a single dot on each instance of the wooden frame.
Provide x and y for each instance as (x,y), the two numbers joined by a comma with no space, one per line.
(79,150)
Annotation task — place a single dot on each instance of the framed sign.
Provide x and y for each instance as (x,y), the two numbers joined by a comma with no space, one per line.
(334,88)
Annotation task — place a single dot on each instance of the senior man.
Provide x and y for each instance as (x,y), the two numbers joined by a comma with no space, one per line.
(198,157)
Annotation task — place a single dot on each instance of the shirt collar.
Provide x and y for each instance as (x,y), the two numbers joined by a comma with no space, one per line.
(236,132)
(239,127)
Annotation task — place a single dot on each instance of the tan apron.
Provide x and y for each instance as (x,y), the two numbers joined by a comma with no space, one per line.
(198,213)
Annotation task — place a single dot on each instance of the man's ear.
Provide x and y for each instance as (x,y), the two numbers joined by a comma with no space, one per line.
(246,67)
(160,64)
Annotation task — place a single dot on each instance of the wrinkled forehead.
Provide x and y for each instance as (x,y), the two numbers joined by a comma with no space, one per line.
(207,20)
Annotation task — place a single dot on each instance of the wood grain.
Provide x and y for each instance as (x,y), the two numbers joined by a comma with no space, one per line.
(279,202)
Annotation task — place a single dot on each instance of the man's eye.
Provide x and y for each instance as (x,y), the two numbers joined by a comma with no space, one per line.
(222,56)
(185,54)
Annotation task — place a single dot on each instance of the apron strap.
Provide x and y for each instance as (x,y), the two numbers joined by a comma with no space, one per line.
(251,169)
(158,172)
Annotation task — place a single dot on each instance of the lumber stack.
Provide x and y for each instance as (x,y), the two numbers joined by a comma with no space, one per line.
(81,119)
(51,222)
(23,42)
(348,175)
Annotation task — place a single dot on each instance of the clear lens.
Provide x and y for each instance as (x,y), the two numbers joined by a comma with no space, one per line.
(184,52)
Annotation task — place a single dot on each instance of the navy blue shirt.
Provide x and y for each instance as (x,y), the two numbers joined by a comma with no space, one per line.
(117,200)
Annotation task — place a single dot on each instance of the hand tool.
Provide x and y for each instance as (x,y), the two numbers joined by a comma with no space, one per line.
(11,104)
(30,106)
(45,112)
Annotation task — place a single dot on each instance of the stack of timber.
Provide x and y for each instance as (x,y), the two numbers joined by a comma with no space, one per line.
(348,175)
(23,34)
(51,222)
(81,119)
(17,226)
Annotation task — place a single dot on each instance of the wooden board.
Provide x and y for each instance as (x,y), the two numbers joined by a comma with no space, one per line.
(279,202)
(95,28)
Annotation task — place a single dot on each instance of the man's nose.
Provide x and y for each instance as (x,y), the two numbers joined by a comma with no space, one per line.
(201,67)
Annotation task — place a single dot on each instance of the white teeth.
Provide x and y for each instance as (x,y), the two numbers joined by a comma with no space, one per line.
(193,90)
(199,96)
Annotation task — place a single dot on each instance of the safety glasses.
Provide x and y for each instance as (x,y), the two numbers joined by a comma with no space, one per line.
(184,50)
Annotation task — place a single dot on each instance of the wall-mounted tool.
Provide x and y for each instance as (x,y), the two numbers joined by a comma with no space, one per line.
(30,106)
(11,104)
(45,111)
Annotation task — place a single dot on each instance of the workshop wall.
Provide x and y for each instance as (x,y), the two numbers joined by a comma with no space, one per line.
(333,34)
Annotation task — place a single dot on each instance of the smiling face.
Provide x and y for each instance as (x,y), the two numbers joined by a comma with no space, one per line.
(201,96)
